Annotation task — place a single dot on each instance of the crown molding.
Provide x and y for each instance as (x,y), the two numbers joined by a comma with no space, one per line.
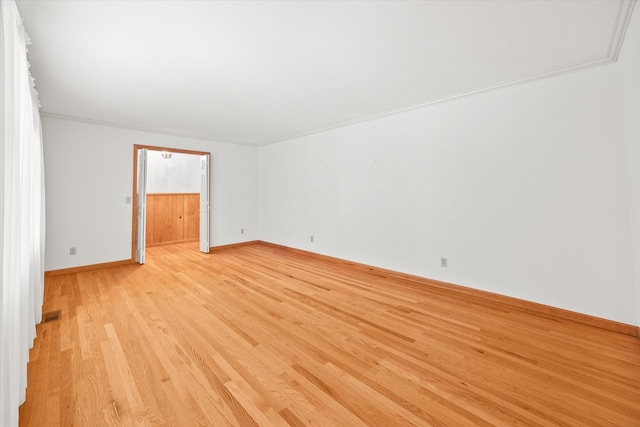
(143,129)
(603,60)
(620,30)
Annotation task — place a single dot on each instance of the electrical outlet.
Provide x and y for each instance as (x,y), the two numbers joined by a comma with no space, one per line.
(242,231)
(73,250)
(311,239)
(443,262)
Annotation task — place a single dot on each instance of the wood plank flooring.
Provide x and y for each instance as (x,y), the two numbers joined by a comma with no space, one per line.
(261,336)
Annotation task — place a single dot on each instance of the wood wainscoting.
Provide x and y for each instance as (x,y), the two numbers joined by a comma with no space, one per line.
(172,218)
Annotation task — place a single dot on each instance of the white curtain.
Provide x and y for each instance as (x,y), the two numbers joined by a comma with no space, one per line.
(21,213)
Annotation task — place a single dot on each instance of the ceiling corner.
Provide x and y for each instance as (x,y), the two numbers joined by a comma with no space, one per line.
(619,31)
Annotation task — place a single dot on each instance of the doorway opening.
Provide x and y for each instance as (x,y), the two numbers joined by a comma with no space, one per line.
(199,170)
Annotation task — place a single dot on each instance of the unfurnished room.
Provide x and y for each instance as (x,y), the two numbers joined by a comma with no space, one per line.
(319,213)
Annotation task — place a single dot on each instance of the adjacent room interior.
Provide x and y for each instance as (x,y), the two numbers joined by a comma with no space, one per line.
(173,198)
(414,213)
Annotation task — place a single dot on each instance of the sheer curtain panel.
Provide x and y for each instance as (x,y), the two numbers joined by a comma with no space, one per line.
(21,213)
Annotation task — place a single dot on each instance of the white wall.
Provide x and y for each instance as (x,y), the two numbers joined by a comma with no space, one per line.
(629,69)
(523,189)
(89,172)
(178,174)
(530,191)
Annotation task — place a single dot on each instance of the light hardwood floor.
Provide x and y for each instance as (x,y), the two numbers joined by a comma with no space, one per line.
(258,335)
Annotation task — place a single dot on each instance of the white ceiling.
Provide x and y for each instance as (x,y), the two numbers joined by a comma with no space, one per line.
(257,72)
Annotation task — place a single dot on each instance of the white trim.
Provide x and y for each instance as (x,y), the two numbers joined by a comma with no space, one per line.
(142,128)
(624,17)
(604,60)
